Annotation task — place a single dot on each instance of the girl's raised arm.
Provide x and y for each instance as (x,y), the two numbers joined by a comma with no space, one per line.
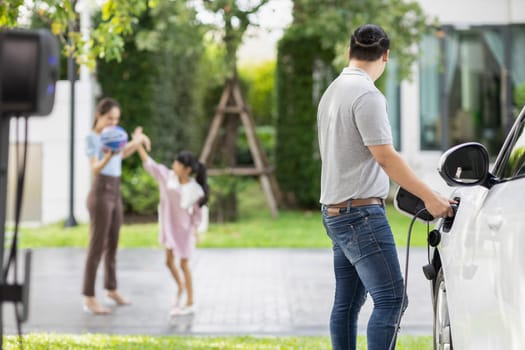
(137,139)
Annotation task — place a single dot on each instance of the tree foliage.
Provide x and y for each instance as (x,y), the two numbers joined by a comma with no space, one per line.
(333,21)
(107,38)
(236,19)
(176,40)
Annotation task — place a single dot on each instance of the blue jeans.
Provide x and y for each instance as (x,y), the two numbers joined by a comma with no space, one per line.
(365,260)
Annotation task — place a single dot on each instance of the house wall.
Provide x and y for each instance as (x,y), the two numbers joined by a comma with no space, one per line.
(51,136)
(475,12)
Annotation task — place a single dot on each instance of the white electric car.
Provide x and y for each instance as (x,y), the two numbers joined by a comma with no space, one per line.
(478,267)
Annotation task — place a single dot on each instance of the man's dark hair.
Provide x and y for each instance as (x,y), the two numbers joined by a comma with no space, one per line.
(368,43)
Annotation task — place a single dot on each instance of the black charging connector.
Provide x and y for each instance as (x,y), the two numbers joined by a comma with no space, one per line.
(411,205)
(448,221)
(434,238)
(429,271)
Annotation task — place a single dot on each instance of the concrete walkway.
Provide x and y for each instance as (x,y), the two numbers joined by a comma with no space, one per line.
(238,291)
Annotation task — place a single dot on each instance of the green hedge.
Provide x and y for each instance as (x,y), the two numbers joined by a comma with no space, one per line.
(297,157)
(140,192)
(129,83)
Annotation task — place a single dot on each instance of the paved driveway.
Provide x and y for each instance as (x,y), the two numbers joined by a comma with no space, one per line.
(238,291)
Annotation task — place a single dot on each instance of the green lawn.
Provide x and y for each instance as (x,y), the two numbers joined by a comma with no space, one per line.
(109,342)
(294,229)
(255,228)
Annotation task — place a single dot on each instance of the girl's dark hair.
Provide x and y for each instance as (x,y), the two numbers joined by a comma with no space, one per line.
(188,159)
(368,43)
(104,106)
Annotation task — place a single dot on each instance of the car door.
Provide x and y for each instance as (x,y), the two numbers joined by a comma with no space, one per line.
(483,258)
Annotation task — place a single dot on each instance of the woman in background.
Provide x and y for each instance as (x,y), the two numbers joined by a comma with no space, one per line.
(104,204)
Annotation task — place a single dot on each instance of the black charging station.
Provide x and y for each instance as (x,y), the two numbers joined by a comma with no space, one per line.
(28,74)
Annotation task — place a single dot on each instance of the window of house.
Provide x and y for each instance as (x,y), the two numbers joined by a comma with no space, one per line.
(462,88)
(474,104)
(517,54)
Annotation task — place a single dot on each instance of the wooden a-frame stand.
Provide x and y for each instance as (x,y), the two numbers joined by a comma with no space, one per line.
(232,103)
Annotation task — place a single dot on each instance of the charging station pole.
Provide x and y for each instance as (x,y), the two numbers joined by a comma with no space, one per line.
(71,221)
(72,76)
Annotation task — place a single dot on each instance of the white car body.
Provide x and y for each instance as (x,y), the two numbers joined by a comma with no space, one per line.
(484,268)
(482,257)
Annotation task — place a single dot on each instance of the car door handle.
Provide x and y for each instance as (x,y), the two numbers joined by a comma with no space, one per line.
(494,222)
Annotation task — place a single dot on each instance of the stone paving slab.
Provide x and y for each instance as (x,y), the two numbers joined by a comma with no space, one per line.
(237,291)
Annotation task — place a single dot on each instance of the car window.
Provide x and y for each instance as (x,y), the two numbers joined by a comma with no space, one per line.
(513,164)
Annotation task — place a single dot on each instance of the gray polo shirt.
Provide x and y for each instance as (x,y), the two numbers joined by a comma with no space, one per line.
(351,116)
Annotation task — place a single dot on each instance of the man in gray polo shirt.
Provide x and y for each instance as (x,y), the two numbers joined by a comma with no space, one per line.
(358,158)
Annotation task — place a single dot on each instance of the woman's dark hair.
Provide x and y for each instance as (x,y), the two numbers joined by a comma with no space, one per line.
(104,106)
(187,158)
(368,43)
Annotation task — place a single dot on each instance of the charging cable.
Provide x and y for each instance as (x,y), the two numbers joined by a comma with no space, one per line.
(401,311)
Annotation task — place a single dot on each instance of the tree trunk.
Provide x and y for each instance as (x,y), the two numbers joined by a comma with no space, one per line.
(224,207)
(225,204)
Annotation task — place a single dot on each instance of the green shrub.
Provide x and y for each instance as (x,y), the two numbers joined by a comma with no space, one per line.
(140,192)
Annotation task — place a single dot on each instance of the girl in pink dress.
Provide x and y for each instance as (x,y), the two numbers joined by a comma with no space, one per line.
(181,199)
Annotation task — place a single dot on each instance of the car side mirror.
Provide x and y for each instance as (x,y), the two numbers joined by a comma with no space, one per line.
(465,165)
